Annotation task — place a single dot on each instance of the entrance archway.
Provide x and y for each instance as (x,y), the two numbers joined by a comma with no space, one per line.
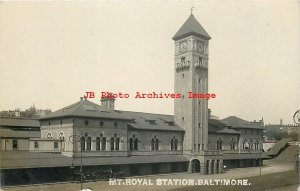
(195,165)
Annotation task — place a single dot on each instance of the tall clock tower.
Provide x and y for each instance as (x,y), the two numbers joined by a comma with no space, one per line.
(191,75)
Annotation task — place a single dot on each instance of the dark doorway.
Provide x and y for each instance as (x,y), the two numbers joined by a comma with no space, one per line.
(134,170)
(195,165)
(207,167)
(212,166)
(218,166)
(155,168)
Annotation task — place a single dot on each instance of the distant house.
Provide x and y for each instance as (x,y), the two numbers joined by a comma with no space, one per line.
(16,132)
(276,131)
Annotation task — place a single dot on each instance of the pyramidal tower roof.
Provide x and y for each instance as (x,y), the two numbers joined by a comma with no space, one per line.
(191,27)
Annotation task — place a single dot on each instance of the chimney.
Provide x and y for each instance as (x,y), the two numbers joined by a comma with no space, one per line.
(108,103)
(209,114)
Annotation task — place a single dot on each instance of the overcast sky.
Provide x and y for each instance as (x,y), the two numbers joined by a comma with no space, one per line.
(53,52)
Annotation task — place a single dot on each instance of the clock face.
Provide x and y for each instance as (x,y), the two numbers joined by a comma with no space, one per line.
(183,47)
(297,117)
(200,46)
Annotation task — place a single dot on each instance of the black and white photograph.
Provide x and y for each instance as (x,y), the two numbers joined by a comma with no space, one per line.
(149,95)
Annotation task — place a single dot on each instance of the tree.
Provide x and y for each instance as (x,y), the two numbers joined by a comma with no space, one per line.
(294,136)
(281,135)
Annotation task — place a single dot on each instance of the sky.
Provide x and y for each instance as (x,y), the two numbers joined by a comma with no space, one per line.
(51,53)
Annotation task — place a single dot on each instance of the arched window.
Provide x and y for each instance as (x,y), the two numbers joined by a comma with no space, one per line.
(98,143)
(174,145)
(156,144)
(245,144)
(103,144)
(89,144)
(112,144)
(251,144)
(232,144)
(117,143)
(133,143)
(49,135)
(82,143)
(61,135)
(152,143)
(219,144)
(257,144)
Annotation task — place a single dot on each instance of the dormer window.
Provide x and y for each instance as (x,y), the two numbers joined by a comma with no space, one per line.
(152,122)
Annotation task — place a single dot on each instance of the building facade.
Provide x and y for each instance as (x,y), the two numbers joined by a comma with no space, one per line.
(191,136)
(101,137)
(15,133)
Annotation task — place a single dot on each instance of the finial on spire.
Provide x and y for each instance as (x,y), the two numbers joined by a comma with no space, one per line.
(192,10)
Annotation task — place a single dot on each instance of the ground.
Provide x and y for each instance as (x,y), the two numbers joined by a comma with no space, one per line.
(278,173)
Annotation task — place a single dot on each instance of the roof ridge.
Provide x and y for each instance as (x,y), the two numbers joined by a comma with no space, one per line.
(191,27)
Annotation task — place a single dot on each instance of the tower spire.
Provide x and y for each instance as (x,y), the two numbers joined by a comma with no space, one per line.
(192,10)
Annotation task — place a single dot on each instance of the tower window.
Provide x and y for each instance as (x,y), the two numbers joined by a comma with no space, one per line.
(101,123)
(182,118)
(61,122)
(182,59)
(182,75)
(115,124)
(86,122)
(200,60)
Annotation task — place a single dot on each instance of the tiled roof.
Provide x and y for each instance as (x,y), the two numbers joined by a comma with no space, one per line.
(25,159)
(151,121)
(230,156)
(236,122)
(137,120)
(9,133)
(217,126)
(278,146)
(85,108)
(19,122)
(191,27)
